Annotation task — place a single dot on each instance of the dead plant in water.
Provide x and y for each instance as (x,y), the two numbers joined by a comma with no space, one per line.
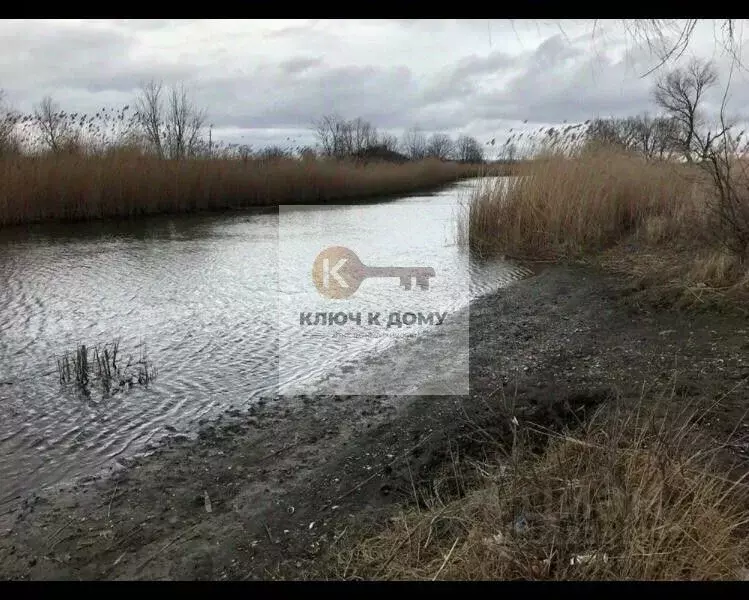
(103,364)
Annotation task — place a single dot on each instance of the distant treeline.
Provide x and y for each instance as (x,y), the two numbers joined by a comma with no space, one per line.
(357,138)
(166,123)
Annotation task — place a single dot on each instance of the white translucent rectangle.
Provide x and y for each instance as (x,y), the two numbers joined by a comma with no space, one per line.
(346,327)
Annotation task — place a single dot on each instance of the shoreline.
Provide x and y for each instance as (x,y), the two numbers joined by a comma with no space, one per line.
(264,493)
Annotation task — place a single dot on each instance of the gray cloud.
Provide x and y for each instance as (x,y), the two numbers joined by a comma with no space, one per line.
(269,80)
(275,96)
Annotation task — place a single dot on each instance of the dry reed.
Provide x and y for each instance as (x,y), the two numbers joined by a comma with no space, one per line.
(636,494)
(80,187)
(611,205)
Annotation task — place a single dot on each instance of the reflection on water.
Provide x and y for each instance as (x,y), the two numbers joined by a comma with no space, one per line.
(200,291)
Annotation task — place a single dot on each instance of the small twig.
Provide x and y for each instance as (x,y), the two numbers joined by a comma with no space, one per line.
(449,554)
(338,538)
(280,450)
(413,488)
(109,508)
(119,558)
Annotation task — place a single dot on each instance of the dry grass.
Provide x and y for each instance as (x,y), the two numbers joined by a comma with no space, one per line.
(565,207)
(709,277)
(633,495)
(654,220)
(70,187)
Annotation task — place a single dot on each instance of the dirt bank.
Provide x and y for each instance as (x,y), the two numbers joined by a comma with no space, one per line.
(263,494)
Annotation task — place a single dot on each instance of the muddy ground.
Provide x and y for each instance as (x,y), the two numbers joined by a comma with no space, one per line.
(266,493)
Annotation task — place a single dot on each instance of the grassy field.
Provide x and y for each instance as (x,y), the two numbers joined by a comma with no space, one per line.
(70,187)
(653,220)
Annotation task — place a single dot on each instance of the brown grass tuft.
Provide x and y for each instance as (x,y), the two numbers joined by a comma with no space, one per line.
(633,495)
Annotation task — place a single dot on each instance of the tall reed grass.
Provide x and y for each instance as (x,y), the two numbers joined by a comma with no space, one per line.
(652,219)
(566,206)
(81,187)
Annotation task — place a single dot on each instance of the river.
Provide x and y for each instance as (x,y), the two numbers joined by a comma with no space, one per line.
(201,293)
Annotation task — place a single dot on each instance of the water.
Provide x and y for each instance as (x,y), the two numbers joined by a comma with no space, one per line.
(201,292)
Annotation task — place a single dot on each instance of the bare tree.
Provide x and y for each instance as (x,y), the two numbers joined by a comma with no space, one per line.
(619,133)
(148,106)
(360,136)
(7,126)
(722,155)
(645,135)
(244,151)
(679,93)
(654,137)
(414,144)
(173,131)
(389,142)
(340,138)
(651,137)
(665,132)
(468,150)
(328,131)
(440,146)
(669,39)
(53,125)
(726,160)
(184,124)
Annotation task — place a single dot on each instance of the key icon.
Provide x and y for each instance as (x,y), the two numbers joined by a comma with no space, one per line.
(337,273)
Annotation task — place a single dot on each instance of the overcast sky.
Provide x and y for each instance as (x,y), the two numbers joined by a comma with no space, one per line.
(266,81)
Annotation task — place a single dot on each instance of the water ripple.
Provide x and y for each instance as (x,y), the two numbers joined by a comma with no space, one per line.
(200,291)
